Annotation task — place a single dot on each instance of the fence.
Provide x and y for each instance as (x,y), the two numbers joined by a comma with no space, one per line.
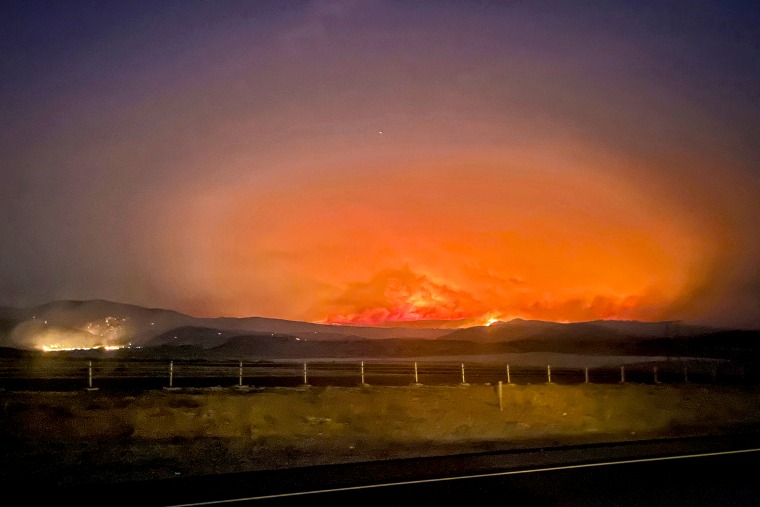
(73,374)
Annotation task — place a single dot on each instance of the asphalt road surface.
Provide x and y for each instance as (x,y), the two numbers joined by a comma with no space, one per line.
(675,472)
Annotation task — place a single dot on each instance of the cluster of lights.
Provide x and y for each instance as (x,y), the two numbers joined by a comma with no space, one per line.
(108,332)
(56,347)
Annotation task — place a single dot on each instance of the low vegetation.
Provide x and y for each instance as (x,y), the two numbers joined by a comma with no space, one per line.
(96,436)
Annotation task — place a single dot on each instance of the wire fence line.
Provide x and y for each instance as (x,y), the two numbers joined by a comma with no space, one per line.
(114,374)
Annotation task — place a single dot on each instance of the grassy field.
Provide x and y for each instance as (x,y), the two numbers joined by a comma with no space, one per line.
(94,437)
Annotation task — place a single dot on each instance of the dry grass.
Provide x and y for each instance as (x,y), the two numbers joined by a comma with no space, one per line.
(95,436)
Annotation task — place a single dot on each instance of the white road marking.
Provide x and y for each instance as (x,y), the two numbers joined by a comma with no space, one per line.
(475,476)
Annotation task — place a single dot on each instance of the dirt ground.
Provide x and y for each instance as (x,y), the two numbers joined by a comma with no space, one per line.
(96,437)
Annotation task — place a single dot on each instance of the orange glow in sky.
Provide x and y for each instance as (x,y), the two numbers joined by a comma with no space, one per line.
(445,244)
(383,162)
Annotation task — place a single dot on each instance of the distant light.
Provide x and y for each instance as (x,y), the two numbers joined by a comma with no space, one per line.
(57,347)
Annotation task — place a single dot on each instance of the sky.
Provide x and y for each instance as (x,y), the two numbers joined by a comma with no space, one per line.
(384,162)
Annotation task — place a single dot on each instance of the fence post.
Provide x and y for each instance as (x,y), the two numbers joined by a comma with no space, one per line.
(501,402)
(622,374)
(171,373)
(362,372)
(305,378)
(509,380)
(585,371)
(240,375)
(463,381)
(549,373)
(89,377)
(654,371)
(416,377)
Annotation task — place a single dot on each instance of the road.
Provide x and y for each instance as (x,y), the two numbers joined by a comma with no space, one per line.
(691,471)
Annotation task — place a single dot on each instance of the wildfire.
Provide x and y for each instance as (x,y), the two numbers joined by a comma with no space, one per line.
(109,334)
(57,347)
(402,296)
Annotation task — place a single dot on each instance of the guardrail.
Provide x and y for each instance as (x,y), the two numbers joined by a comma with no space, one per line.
(73,374)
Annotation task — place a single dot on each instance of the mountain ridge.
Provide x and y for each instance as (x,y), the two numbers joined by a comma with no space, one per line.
(96,323)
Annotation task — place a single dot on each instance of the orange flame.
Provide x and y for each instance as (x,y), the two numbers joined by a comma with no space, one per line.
(403,296)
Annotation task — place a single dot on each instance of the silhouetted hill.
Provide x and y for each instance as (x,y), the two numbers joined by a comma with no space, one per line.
(169,334)
(203,337)
(599,330)
(124,323)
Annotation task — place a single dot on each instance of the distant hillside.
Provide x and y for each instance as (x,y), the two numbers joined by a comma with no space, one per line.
(119,323)
(599,330)
(166,334)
